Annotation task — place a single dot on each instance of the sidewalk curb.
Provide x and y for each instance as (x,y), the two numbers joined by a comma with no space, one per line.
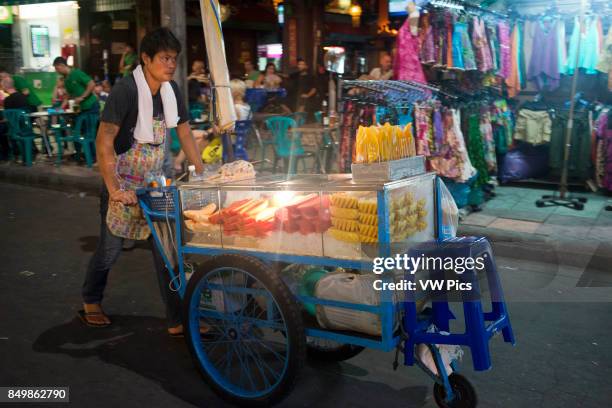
(545,249)
(34,177)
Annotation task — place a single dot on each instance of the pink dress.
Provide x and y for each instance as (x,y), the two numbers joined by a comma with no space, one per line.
(407,65)
(481,46)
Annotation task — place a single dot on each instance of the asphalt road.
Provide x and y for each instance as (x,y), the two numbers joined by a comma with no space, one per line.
(563,357)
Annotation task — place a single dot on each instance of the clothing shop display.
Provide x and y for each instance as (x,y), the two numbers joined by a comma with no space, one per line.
(482,50)
(407,65)
(533,127)
(544,63)
(580,164)
(513,80)
(590,45)
(605,61)
(505,45)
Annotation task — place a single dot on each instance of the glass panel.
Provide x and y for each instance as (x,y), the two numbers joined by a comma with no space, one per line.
(199,205)
(288,222)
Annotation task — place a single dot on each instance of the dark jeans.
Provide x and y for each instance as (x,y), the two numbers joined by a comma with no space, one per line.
(107,252)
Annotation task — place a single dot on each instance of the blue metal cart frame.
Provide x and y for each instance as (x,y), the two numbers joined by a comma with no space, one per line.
(479,326)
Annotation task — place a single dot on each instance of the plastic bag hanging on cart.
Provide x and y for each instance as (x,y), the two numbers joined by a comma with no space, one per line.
(450,212)
(448,353)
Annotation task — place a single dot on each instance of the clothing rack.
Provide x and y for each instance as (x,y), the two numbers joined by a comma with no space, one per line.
(466,5)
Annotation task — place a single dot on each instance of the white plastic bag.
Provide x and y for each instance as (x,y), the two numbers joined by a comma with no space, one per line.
(450,213)
(352,288)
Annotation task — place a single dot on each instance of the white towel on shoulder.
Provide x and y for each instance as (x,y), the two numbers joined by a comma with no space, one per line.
(143,133)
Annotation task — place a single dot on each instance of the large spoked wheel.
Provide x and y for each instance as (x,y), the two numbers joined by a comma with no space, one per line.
(256,344)
(330,351)
(465,395)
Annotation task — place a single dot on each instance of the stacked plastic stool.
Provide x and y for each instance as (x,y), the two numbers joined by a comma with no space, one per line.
(480,326)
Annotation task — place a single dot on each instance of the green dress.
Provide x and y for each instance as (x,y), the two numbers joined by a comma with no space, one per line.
(76,83)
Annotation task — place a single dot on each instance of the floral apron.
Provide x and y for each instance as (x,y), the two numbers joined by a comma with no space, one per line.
(132,167)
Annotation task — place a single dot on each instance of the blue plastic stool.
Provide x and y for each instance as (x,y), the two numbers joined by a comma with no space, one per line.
(480,326)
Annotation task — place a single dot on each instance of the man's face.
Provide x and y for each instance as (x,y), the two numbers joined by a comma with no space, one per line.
(162,66)
(61,69)
(302,66)
(385,63)
(198,67)
(248,66)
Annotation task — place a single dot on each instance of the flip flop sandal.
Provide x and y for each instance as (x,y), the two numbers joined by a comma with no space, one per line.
(180,335)
(83,315)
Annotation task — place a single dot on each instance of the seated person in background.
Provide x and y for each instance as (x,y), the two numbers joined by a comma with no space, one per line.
(15,100)
(251,75)
(22,86)
(59,98)
(385,70)
(243,110)
(270,79)
(195,82)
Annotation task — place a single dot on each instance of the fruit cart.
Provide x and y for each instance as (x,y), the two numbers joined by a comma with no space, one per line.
(249,327)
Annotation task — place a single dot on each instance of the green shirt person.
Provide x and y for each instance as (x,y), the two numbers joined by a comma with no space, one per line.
(250,73)
(79,85)
(128,61)
(22,86)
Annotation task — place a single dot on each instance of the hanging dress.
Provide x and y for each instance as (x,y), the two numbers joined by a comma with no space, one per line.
(544,64)
(513,80)
(505,45)
(407,65)
(590,46)
(428,52)
(482,50)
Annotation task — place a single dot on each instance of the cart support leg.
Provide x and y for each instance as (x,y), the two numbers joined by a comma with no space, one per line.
(479,341)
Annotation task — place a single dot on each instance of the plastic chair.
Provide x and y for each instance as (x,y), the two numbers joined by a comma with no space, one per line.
(299,117)
(286,146)
(83,133)
(241,130)
(20,131)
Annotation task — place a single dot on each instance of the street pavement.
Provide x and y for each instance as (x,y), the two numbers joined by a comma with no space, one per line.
(563,355)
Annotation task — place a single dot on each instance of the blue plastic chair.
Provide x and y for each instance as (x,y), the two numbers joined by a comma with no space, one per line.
(83,133)
(20,131)
(241,130)
(287,144)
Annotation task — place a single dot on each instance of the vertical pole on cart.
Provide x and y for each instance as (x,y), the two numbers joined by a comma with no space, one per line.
(563,188)
(215,50)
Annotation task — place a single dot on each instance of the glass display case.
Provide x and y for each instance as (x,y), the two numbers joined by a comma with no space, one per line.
(311,215)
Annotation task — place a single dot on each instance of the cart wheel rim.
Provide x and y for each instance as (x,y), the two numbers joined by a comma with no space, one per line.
(246,351)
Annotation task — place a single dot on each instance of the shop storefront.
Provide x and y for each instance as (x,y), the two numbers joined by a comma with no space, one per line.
(32,34)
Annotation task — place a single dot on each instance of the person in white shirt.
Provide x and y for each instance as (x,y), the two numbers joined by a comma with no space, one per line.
(243,110)
(384,71)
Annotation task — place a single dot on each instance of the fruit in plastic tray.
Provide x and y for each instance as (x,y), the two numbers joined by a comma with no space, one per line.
(351,237)
(368,207)
(343,200)
(345,225)
(202,214)
(346,213)
(368,219)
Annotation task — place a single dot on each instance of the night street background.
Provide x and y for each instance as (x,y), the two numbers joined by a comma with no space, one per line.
(563,356)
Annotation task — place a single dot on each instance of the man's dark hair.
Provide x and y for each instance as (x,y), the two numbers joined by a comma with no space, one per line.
(160,39)
(60,60)
(301,60)
(2,68)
